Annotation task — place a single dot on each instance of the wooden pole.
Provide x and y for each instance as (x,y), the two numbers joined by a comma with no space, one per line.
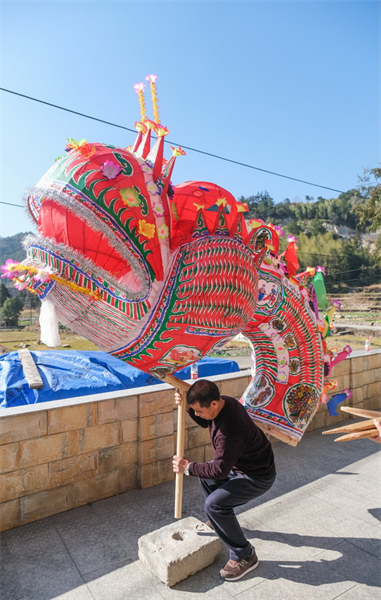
(181,412)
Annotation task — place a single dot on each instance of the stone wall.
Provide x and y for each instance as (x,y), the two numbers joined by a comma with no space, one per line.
(60,455)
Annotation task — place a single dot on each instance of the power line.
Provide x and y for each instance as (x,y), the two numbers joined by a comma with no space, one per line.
(9,204)
(348,280)
(351,270)
(314,254)
(174,143)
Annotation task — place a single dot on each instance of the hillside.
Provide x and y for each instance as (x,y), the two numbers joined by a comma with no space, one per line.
(329,232)
(11,247)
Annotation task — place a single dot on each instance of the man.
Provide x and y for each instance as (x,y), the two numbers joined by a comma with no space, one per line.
(242,469)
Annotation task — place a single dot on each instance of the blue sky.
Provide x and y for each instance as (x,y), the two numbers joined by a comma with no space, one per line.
(291,87)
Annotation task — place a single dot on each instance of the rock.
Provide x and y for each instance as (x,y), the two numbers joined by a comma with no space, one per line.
(179,550)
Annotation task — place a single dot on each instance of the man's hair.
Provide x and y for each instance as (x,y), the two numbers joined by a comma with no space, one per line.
(204,392)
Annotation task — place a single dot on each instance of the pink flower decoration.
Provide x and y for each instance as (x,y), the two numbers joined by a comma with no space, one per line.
(7,271)
(21,285)
(291,238)
(43,275)
(110,169)
(139,87)
(320,269)
(151,78)
(279,230)
(336,303)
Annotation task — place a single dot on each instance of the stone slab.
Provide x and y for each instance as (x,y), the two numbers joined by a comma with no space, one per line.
(178,550)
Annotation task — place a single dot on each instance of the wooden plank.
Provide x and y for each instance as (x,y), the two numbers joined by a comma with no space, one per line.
(370,433)
(361,412)
(30,370)
(279,435)
(352,428)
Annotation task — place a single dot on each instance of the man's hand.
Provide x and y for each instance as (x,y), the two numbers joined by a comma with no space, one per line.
(177,397)
(179,464)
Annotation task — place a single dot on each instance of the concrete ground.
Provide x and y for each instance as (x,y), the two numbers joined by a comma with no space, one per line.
(316,534)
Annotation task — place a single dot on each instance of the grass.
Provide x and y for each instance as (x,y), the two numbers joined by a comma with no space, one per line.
(29,337)
(374,317)
(356,342)
(15,339)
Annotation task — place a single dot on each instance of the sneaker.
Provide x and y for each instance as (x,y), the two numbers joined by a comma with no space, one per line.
(234,570)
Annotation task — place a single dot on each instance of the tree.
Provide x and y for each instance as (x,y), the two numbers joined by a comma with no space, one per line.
(4,294)
(11,310)
(315,227)
(369,211)
(29,299)
(293,228)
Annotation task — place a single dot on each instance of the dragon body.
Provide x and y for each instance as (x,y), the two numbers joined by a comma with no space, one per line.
(161,275)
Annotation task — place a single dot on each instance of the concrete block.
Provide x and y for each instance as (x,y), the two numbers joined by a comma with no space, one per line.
(196,454)
(9,457)
(46,449)
(374,360)
(153,404)
(96,488)
(179,550)
(130,430)
(46,503)
(233,387)
(318,421)
(373,390)
(359,364)
(72,469)
(156,449)
(156,472)
(358,395)
(118,409)
(362,378)
(23,427)
(156,426)
(373,403)
(9,515)
(342,368)
(188,421)
(197,436)
(128,478)
(22,482)
(95,438)
(118,457)
(69,418)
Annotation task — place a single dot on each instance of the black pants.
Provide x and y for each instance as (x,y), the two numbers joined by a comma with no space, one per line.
(222,497)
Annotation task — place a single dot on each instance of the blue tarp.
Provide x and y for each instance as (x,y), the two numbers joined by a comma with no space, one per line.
(68,374)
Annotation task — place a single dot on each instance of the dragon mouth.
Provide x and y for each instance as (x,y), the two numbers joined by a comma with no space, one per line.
(89,243)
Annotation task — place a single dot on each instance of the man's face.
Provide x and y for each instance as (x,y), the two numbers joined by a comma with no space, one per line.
(207,413)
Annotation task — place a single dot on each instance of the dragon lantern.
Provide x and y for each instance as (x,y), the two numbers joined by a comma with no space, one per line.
(159,275)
